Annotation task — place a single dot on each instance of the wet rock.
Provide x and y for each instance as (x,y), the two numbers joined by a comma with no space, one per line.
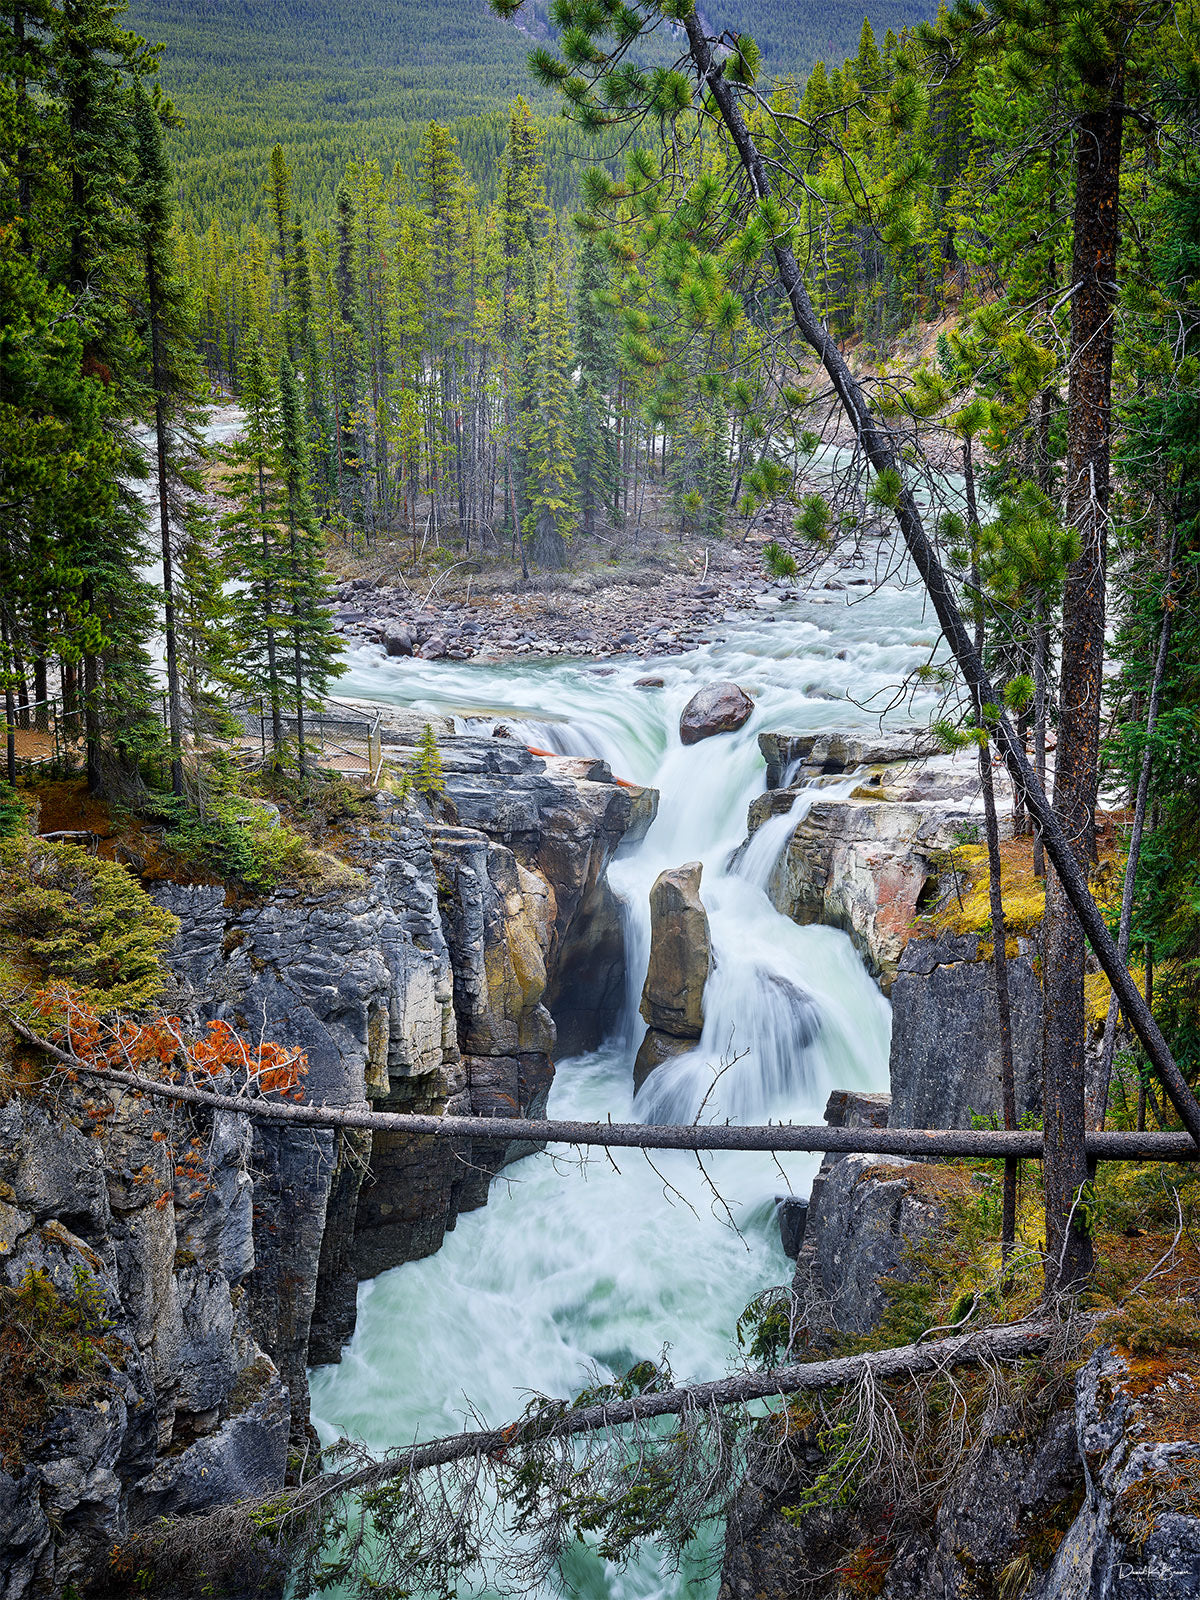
(680,954)
(862,1228)
(793,757)
(719,708)
(656,1048)
(791,1212)
(648,683)
(398,642)
(868,861)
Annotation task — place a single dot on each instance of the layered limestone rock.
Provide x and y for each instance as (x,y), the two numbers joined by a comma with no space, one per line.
(680,961)
(867,861)
(419,974)
(421,981)
(1087,1500)
(1089,1492)
(177,1407)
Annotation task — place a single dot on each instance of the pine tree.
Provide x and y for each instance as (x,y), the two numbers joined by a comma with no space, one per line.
(252,534)
(305,589)
(427,773)
(551,457)
(173,378)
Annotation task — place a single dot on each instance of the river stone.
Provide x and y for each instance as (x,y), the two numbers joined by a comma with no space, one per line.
(680,954)
(718,708)
(398,642)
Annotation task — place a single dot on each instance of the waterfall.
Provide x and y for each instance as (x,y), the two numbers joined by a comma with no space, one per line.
(577,1267)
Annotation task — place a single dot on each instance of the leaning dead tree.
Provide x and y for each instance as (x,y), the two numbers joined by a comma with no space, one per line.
(917,1143)
(510,1501)
(883,451)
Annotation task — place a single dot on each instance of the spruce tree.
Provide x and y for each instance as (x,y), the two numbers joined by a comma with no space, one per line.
(314,645)
(251,541)
(169,334)
(551,484)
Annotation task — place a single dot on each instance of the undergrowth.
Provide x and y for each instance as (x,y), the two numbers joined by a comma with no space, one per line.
(54,1349)
(69,916)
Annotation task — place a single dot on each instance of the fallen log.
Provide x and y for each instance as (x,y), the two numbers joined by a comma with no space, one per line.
(1015,1341)
(916,1143)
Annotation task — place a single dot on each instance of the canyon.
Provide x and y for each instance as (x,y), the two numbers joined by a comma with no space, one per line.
(488,953)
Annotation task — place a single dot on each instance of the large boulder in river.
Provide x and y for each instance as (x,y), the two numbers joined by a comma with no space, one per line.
(680,954)
(719,708)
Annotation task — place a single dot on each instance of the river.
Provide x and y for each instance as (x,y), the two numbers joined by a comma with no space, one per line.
(576,1267)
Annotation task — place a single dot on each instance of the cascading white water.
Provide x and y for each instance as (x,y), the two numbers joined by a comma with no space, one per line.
(573,1267)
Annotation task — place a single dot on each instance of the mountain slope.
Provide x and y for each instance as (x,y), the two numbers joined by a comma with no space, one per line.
(332,79)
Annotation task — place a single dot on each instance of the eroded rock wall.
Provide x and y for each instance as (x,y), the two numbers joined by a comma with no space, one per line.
(1087,1490)
(169,1403)
(419,975)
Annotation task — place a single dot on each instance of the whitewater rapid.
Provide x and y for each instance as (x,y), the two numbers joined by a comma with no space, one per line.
(574,1267)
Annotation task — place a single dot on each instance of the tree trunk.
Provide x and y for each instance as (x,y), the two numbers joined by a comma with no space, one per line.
(10,710)
(1077,758)
(1008,1094)
(1098,1098)
(174,702)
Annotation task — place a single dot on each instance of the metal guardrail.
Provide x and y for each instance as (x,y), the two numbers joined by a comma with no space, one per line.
(45,734)
(341,736)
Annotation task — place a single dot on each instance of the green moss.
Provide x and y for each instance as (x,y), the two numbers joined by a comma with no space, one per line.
(54,1349)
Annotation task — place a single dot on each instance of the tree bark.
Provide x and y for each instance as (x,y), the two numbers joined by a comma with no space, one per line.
(1098,1099)
(158,378)
(1077,758)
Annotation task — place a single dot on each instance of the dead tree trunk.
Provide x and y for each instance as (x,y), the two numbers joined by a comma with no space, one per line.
(1099,1097)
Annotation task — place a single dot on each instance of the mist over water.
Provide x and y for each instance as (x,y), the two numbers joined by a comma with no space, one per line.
(574,1267)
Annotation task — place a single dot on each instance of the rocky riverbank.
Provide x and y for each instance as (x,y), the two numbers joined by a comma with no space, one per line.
(646,610)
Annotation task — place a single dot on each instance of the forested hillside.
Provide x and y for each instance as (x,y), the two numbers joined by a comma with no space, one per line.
(355,78)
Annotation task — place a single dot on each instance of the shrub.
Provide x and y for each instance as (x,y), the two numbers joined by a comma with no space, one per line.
(235,839)
(72,917)
(53,1347)
(230,836)
(14,815)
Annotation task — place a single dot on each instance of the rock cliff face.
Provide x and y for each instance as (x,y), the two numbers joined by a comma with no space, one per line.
(177,1406)
(866,861)
(873,860)
(1092,1495)
(945,1058)
(425,974)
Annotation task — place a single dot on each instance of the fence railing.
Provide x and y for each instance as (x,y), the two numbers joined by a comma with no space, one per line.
(340,736)
(45,733)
